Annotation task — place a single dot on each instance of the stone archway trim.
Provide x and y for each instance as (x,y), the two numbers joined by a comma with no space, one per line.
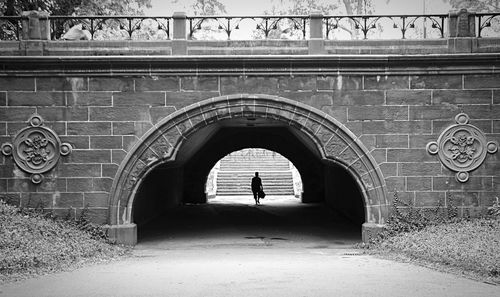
(334,141)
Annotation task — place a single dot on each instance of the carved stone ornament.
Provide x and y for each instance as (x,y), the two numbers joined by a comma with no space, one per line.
(462,147)
(36,149)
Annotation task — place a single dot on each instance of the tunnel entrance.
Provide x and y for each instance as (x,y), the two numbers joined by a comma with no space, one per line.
(168,170)
(232,175)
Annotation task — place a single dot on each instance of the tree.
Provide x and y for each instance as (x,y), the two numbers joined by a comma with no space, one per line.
(204,7)
(76,7)
(491,25)
(476,5)
(206,28)
(327,7)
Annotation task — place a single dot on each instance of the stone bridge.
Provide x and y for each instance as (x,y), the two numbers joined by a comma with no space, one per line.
(127,129)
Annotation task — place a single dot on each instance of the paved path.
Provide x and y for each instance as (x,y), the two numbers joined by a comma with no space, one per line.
(287,253)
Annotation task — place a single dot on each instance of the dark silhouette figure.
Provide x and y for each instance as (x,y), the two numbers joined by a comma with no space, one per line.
(256,187)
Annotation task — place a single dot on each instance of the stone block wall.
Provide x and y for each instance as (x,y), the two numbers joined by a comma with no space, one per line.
(394,116)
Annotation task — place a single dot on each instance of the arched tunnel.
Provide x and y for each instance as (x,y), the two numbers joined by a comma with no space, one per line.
(182,182)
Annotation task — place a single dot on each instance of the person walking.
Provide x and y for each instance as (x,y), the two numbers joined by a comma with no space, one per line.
(256,188)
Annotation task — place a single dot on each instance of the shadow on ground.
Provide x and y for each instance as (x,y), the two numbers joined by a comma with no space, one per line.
(237,221)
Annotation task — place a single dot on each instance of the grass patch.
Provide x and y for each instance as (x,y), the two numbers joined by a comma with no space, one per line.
(439,239)
(467,247)
(34,243)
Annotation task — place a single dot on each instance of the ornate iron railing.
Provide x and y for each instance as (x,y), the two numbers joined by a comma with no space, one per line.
(366,24)
(256,27)
(487,20)
(114,27)
(294,26)
(10,27)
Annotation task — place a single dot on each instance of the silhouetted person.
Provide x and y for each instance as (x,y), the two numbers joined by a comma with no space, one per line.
(256,187)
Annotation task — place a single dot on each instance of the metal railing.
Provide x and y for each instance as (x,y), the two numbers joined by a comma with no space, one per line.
(10,27)
(257,26)
(365,24)
(116,27)
(487,20)
(265,26)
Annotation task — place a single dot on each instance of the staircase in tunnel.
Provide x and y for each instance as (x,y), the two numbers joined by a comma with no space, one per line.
(237,169)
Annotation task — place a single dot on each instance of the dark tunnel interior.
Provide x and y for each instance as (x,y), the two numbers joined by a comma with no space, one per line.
(173,185)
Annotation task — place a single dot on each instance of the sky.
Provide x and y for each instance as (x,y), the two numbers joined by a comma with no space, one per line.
(257,7)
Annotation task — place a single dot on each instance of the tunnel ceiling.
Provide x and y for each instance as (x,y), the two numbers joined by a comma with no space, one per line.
(230,135)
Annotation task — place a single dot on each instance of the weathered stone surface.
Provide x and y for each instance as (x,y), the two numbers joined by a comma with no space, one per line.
(314,99)
(396,184)
(419,169)
(397,127)
(426,199)
(89,156)
(420,141)
(105,142)
(367,113)
(409,155)
(17,84)
(157,83)
(481,81)
(296,83)
(158,113)
(62,84)
(183,99)
(129,113)
(496,96)
(200,83)
(368,141)
(79,170)
(248,84)
(391,141)
(337,112)
(89,128)
(37,200)
(139,98)
(117,156)
(16,114)
(393,112)
(102,184)
(379,155)
(92,200)
(461,97)
(466,199)
(3,98)
(341,82)
(356,97)
(408,97)
(37,99)
(482,111)
(109,170)
(389,169)
(89,98)
(54,114)
(124,84)
(418,183)
(123,128)
(440,183)
(433,112)
(79,184)
(436,82)
(380,82)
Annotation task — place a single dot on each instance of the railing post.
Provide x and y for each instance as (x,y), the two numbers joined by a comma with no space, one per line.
(35,25)
(35,30)
(179,40)
(316,41)
(462,31)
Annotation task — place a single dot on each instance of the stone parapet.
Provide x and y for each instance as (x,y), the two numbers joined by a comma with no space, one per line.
(248,47)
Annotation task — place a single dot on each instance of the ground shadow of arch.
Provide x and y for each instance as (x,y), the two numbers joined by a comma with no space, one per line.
(161,144)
